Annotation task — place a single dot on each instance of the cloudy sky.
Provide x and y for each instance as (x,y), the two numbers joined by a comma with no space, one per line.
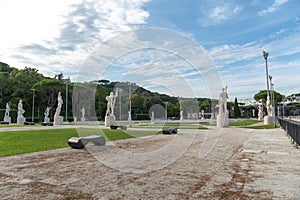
(58,36)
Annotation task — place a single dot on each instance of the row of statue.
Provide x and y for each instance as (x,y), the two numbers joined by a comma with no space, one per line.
(222,118)
(58,120)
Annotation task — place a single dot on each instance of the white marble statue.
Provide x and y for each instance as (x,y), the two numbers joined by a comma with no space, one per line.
(152,117)
(270,118)
(82,114)
(111,99)
(110,117)
(223,118)
(181,115)
(58,120)
(202,114)
(46,113)
(260,113)
(223,102)
(6,115)
(20,119)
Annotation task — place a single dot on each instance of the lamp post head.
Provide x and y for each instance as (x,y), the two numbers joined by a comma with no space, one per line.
(270,77)
(266,54)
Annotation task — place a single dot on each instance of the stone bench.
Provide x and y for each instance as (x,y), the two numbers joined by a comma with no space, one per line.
(47,123)
(29,123)
(121,127)
(169,131)
(80,142)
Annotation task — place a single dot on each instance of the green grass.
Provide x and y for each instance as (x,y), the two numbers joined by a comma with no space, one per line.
(17,125)
(182,126)
(19,142)
(244,122)
(262,127)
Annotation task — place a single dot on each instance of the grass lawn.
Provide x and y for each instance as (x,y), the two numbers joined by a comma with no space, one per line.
(182,126)
(17,125)
(18,142)
(263,127)
(244,122)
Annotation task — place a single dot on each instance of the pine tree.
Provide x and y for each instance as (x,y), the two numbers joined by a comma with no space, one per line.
(236,109)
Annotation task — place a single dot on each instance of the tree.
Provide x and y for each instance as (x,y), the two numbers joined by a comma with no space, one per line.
(262,94)
(236,109)
(47,90)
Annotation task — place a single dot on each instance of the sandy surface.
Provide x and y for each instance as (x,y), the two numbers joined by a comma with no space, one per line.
(232,164)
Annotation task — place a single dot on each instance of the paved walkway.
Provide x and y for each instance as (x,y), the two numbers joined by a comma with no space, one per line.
(232,163)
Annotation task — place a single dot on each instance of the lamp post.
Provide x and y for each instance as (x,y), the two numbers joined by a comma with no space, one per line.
(266,54)
(271,89)
(32,104)
(166,110)
(67,81)
(129,113)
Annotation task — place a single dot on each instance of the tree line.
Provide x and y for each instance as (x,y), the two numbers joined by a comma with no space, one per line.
(28,83)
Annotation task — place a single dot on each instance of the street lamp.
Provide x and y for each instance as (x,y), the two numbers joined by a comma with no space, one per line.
(66,81)
(129,112)
(271,90)
(32,104)
(266,54)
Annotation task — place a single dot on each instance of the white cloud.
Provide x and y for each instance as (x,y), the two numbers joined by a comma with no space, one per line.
(57,36)
(214,14)
(273,8)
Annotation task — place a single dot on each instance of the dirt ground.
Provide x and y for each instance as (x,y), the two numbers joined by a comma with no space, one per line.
(232,164)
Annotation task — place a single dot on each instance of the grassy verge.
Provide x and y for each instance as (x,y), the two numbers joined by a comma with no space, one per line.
(182,126)
(244,122)
(17,125)
(18,142)
(262,127)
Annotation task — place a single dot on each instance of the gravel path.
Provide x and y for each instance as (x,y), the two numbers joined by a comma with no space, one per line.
(233,164)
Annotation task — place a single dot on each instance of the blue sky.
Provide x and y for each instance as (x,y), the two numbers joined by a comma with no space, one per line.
(58,36)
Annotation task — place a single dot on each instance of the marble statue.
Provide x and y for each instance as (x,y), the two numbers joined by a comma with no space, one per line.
(20,119)
(83,114)
(202,114)
(7,118)
(152,117)
(181,115)
(223,117)
(260,113)
(110,117)
(270,118)
(46,113)
(58,120)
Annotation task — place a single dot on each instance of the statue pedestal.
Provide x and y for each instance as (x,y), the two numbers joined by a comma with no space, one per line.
(47,119)
(58,120)
(269,120)
(82,119)
(21,120)
(7,119)
(110,120)
(222,121)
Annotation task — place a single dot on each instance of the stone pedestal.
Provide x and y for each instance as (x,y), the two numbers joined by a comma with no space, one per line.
(46,119)
(269,120)
(222,121)
(21,120)
(82,119)
(110,120)
(58,120)
(7,119)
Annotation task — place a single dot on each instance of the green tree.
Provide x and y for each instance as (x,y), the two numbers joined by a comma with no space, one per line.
(236,109)
(262,94)
(47,91)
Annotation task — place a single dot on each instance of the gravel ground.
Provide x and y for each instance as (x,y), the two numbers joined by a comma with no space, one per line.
(233,164)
